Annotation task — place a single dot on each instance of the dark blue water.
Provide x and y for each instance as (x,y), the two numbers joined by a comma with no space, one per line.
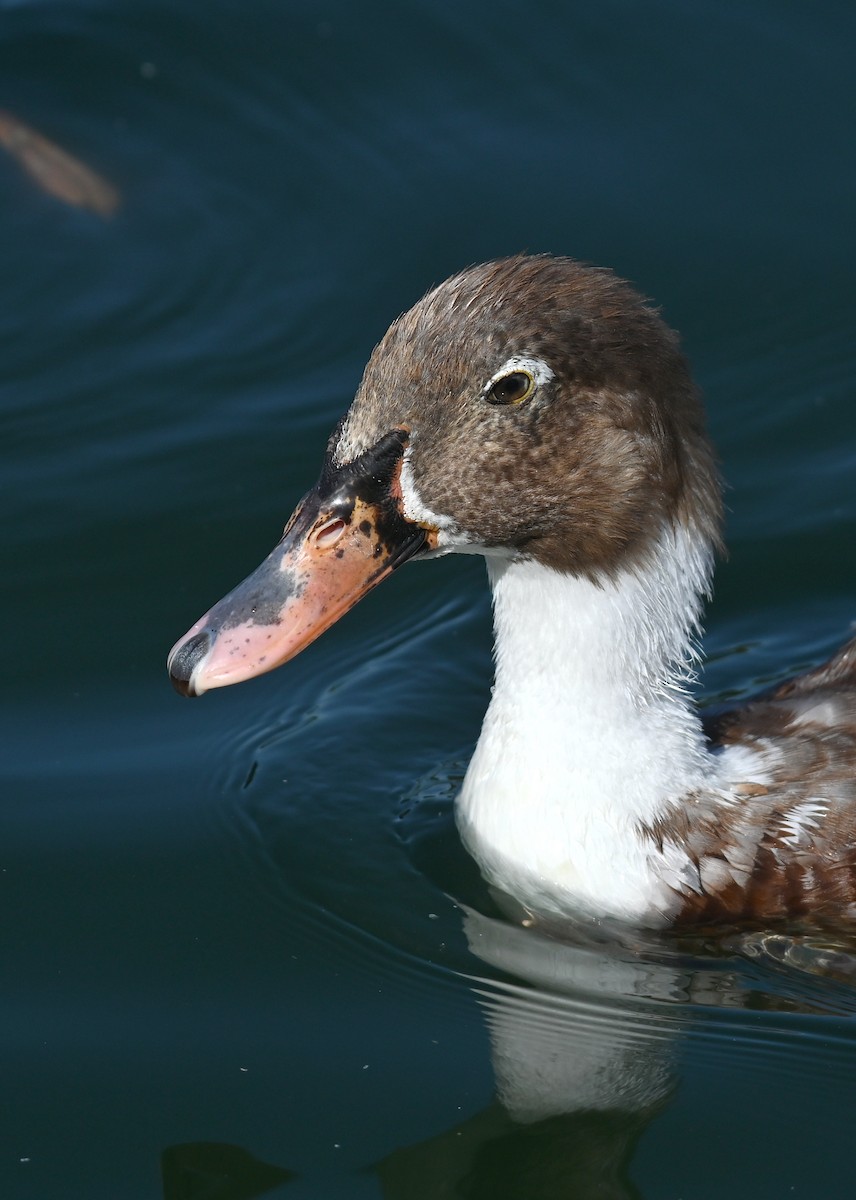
(242,952)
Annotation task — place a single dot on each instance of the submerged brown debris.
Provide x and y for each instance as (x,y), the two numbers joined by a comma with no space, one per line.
(55,170)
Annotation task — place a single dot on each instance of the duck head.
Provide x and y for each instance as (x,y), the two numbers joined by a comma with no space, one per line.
(529,408)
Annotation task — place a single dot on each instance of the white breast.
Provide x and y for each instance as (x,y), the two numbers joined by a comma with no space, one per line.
(588,734)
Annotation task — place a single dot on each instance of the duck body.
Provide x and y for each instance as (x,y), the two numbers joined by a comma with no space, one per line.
(540,413)
(610,797)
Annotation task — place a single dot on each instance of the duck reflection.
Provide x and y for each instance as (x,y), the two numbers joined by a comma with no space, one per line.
(217,1171)
(579,1074)
(586,1040)
(586,1054)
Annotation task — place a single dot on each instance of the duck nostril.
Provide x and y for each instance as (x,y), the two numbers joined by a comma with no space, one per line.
(327,535)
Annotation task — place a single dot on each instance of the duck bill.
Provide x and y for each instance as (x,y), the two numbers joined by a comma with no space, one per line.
(345,536)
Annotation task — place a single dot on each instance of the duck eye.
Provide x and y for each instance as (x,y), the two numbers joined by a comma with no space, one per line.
(513,388)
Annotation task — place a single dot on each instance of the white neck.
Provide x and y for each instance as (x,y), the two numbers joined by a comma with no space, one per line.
(590,731)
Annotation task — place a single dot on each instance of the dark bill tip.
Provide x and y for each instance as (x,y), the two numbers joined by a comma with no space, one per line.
(184,660)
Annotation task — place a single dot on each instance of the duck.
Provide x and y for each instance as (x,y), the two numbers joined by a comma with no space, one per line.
(540,412)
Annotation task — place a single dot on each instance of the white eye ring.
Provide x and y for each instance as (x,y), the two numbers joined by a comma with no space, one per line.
(535,369)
